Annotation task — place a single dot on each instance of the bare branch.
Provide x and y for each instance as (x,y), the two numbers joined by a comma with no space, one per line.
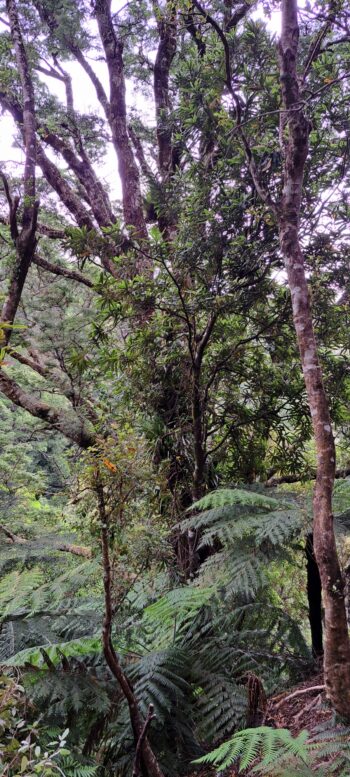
(100,92)
(57,269)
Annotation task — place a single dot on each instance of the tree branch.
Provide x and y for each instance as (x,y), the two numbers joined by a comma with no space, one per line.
(57,269)
(69,423)
(25,240)
(166,23)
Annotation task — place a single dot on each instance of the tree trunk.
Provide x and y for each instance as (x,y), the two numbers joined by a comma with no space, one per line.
(295,150)
(149,760)
(314,597)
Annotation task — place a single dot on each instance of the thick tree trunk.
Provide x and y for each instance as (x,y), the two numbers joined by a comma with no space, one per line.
(295,150)
(128,171)
(166,51)
(24,238)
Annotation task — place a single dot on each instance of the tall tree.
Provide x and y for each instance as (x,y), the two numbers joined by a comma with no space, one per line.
(294,138)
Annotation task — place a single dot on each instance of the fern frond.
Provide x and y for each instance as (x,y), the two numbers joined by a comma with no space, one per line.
(75,648)
(247,745)
(176,607)
(16,589)
(235,496)
(237,515)
(162,679)
(278,526)
(74,768)
(221,705)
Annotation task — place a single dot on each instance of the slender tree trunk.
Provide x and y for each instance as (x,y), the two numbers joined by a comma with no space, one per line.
(314,597)
(149,760)
(295,150)
(197,424)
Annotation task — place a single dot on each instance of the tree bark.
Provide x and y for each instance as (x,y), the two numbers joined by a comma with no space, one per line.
(116,114)
(165,54)
(24,239)
(295,150)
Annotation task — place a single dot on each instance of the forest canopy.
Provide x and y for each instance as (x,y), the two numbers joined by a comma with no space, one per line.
(174,387)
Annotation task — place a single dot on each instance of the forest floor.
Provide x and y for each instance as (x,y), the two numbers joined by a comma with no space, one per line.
(302,707)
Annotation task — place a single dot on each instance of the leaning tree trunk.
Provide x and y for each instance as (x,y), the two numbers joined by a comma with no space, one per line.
(295,150)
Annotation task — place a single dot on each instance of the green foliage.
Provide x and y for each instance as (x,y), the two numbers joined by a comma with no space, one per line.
(269,744)
(276,753)
(251,529)
(27,746)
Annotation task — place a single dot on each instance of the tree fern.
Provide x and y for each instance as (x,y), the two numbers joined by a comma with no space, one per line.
(269,744)
(235,513)
(72,767)
(235,496)
(332,743)
(16,589)
(7,641)
(276,753)
(250,529)
(161,679)
(221,705)
(43,611)
(76,648)
(172,611)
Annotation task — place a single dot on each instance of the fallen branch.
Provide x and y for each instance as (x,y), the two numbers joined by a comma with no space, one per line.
(301,692)
(13,537)
(307,708)
(77,550)
(273,481)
